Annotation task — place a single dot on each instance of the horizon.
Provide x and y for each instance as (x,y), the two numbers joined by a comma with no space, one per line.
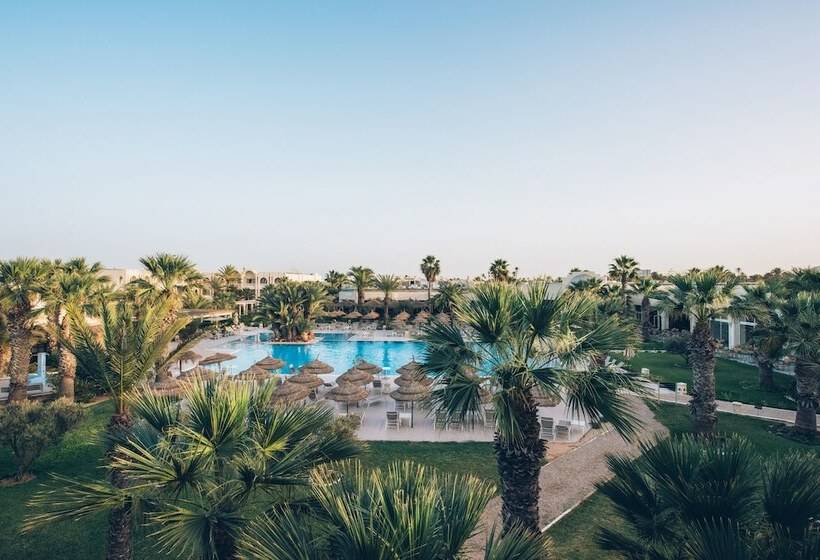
(318,137)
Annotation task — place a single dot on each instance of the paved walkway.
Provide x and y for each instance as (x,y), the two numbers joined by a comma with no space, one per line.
(765,412)
(569,479)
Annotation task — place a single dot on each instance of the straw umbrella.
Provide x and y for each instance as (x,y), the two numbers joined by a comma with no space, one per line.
(186,356)
(355,376)
(372,369)
(372,316)
(347,393)
(421,317)
(542,398)
(317,367)
(200,373)
(289,392)
(411,393)
(170,386)
(412,367)
(217,358)
(403,316)
(254,373)
(270,363)
(353,315)
(443,318)
(306,379)
(411,372)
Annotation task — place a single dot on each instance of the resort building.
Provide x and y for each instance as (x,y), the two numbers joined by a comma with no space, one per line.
(255,280)
(119,277)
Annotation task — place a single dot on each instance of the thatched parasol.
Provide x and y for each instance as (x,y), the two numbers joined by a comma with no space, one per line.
(403,316)
(368,367)
(306,379)
(443,318)
(353,315)
(170,387)
(334,314)
(188,355)
(270,363)
(355,376)
(254,373)
(411,367)
(421,317)
(289,392)
(200,373)
(411,393)
(347,393)
(217,358)
(316,367)
(372,316)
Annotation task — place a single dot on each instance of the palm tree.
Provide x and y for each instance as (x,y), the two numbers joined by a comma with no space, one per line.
(500,271)
(431,268)
(202,470)
(702,296)
(291,308)
(388,284)
(362,278)
(762,303)
(79,284)
(624,269)
(121,356)
(171,278)
(690,498)
(801,319)
(23,284)
(335,282)
(230,275)
(5,347)
(520,340)
(404,512)
(449,294)
(646,288)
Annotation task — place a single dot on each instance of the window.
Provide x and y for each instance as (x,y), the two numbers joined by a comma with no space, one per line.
(720,330)
(263,280)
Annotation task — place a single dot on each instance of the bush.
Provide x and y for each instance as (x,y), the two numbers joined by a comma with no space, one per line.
(677,345)
(30,427)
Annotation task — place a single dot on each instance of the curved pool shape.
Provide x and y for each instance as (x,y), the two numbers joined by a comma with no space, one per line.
(333,349)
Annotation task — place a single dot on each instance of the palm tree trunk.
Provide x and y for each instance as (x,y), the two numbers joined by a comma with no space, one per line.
(807,378)
(5,359)
(765,370)
(702,359)
(645,325)
(429,296)
(121,519)
(518,467)
(164,373)
(20,342)
(386,317)
(66,364)
(625,298)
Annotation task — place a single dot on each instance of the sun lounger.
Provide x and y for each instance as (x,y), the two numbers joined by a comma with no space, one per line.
(547,428)
(392,420)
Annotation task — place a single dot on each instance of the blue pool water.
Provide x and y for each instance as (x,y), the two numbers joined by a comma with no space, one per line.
(333,349)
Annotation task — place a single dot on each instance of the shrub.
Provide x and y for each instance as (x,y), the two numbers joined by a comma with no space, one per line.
(30,427)
(677,344)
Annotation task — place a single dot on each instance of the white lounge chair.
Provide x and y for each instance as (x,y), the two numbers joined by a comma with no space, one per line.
(392,420)
(547,428)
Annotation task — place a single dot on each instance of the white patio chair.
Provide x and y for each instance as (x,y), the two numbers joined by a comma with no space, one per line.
(547,428)
(392,420)
(561,433)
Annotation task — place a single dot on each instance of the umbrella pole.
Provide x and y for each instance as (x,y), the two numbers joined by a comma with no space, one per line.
(412,412)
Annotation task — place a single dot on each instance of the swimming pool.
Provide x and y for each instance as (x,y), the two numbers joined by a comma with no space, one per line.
(333,349)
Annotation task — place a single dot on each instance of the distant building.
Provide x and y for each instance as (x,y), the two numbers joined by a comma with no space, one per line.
(119,277)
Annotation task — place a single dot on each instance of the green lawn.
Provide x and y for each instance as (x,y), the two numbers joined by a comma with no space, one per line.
(574,536)
(733,381)
(80,455)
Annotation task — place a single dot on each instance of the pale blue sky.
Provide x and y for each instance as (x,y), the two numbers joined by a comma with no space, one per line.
(552,134)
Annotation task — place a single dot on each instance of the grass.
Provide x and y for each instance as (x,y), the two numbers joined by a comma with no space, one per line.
(574,535)
(80,455)
(733,381)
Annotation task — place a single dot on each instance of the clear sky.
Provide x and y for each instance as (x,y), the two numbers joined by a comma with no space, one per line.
(314,135)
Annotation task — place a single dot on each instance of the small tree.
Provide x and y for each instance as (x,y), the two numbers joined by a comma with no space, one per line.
(29,427)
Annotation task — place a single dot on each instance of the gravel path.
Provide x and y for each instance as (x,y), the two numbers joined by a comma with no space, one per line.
(570,478)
